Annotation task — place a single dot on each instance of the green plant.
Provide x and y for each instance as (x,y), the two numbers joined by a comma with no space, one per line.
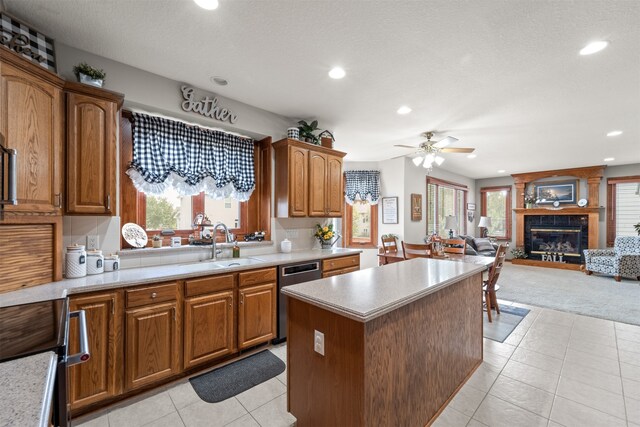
(529,198)
(157,237)
(637,227)
(307,129)
(88,70)
(324,233)
(518,253)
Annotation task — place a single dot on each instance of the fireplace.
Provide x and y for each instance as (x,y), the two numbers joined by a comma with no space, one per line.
(554,238)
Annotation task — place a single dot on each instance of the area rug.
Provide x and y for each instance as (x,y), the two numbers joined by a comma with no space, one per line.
(233,379)
(504,323)
(572,291)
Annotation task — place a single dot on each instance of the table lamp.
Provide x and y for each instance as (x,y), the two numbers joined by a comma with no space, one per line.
(484,224)
(451,222)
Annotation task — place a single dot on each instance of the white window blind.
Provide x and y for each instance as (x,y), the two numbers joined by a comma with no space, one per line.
(627,208)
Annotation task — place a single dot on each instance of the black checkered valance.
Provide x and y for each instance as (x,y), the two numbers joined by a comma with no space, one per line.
(362,185)
(191,159)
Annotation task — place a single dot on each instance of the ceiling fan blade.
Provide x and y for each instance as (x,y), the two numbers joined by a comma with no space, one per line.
(406,155)
(446,141)
(406,146)
(457,150)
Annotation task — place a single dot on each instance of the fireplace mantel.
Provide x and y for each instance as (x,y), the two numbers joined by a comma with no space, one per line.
(561,211)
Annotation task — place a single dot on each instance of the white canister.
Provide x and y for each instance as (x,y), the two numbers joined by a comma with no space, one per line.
(176,242)
(95,262)
(285,246)
(293,133)
(76,262)
(111,263)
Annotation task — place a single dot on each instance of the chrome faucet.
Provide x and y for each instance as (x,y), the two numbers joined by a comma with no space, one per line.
(214,251)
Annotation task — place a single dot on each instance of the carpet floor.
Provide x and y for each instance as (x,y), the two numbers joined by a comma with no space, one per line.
(572,291)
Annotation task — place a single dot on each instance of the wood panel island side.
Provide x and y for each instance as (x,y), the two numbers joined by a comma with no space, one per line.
(399,341)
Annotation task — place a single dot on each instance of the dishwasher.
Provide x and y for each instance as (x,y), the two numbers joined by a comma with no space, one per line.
(292,274)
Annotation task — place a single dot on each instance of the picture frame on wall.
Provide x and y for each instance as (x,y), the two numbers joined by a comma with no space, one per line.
(471,206)
(389,210)
(416,207)
(563,192)
(471,216)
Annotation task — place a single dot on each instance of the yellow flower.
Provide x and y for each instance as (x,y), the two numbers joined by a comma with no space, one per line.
(325,229)
(329,235)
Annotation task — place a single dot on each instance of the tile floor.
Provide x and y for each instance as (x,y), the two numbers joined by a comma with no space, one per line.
(555,369)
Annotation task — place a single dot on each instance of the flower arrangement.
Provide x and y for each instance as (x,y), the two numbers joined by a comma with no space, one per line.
(518,253)
(324,233)
(529,198)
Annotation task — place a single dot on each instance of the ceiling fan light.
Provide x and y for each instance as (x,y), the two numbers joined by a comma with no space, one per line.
(439,160)
(417,160)
(429,158)
(427,164)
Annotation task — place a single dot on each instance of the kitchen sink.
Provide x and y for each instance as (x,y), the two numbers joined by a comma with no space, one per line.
(235,262)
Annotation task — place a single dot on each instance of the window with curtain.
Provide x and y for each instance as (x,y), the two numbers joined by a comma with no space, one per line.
(362,192)
(623,207)
(445,198)
(496,204)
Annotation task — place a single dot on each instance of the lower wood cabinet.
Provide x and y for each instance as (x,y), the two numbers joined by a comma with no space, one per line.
(152,350)
(209,330)
(256,314)
(100,377)
(340,265)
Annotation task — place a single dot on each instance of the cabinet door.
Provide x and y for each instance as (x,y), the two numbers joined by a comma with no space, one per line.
(31,122)
(91,155)
(152,345)
(335,191)
(256,315)
(208,328)
(298,176)
(317,184)
(98,378)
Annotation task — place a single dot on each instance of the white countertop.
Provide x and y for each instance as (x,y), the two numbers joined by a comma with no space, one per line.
(366,294)
(27,386)
(155,274)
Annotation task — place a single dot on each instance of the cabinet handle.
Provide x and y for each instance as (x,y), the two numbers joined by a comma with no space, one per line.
(113,306)
(230,302)
(241,299)
(154,295)
(58,200)
(108,201)
(12,174)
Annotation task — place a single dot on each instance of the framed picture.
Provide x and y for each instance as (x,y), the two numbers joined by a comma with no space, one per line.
(564,192)
(471,206)
(28,42)
(471,216)
(416,207)
(389,210)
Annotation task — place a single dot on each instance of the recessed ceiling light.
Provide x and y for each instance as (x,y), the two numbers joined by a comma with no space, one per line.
(594,47)
(337,73)
(471,156)
(615,133)
(609,159)
(501,171)
(404,110)
(207,4)
(219,81)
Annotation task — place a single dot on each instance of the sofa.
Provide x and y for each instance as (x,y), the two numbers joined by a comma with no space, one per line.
(476,245)
(621,261)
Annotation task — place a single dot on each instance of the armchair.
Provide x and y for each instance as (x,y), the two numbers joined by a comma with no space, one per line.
(621,261)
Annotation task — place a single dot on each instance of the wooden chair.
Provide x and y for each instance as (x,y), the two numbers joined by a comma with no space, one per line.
(490,286)
(455,246)
(416,250)
(389,244)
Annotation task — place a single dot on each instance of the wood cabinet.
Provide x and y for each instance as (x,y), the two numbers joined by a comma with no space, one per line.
(152,350)
(92,123)
(308,180)
(100,377)
(340,265)
(257,307)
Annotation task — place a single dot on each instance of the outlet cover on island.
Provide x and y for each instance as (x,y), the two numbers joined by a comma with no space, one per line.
(93,242)
(318,342)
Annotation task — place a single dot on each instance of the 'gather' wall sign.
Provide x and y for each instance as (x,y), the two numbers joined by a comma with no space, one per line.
(207,107)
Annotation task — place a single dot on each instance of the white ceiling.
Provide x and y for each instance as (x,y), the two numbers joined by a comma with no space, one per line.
(504,77)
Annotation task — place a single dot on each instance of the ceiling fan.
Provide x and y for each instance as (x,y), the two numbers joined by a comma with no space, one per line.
(428,151)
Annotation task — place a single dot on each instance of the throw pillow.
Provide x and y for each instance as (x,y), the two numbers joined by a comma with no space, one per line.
(483,244)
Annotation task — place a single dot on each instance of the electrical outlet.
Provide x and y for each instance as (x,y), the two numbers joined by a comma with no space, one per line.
(318,342)
(93,241)
(292,234)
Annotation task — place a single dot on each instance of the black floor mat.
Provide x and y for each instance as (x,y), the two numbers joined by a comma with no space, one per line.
(226,382)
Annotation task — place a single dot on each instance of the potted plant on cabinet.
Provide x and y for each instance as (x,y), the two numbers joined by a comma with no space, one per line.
(157,241)
(89,75)
(306,131)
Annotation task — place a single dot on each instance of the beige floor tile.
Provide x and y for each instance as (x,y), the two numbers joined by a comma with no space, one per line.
(630,371)
(631,388)
(592,340)
(244,421)
(523,395)
(501,349)
(212,414)
(467,399)
(274,414)
(142,412)
(171,420)
(572,414)
(483,377)
(495,360)
(451,418)
(280,350)
(183,395)
(602,326)
(261,394)
(627,345)
(594,336)
(606,365)
(556,317)
(635,329)
(593,397)
(592,377)
(594,349)
(551,330)
(283,377)
(633,410)
(531,375)
(514,338)
(554,424)
(475,423)
(629,357)
(628,336)
(538,360)
(92,421)
(550,349)
(496,412)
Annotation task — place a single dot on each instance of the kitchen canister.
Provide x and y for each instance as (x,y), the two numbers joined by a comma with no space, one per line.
(285,246)
(95,262)
(111,263)
(293,133)
(76,262)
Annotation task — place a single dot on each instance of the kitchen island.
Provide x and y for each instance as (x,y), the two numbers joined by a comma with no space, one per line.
(399,340)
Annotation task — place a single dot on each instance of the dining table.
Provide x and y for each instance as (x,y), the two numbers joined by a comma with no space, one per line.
(392,257)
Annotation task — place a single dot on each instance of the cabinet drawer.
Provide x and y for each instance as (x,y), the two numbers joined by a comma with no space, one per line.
(208,285)
(340,271)
(254,277)
(338,263)
(152,294)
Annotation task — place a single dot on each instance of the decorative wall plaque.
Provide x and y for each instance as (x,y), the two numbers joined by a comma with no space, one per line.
(207,106)
(26,41)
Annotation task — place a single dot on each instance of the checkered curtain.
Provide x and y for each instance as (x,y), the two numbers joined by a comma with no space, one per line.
(170,154)
(362,185)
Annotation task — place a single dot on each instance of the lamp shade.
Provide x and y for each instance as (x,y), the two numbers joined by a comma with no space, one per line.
(485,222)
(451,222)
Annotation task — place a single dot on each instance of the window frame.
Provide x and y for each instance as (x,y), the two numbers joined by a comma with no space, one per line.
(348,231)
(449,184)
(507,208)
(611,204)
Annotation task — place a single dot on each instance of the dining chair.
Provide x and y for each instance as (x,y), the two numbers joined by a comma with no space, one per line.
(490,286)
(389,244)
(455,246)
(416,250)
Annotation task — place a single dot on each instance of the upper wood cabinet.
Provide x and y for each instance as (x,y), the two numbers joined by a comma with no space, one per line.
(31,118)
(308,180)
(92,123)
